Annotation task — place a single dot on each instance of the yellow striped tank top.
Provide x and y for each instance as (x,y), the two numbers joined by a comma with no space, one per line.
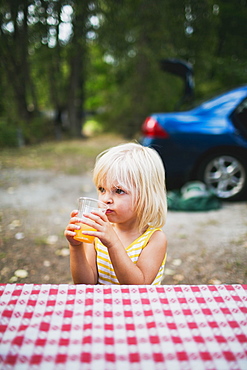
(106,274)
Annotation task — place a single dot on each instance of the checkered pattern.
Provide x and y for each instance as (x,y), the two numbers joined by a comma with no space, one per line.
(123,327)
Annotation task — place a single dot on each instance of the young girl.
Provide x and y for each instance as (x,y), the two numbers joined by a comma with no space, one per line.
(129,245)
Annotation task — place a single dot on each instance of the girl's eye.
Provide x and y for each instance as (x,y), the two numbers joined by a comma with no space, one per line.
(100,189)
(120,191)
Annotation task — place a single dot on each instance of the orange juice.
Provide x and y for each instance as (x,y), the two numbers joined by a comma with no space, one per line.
(80,236)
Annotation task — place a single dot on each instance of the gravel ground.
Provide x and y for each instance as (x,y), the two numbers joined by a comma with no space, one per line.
(203,247)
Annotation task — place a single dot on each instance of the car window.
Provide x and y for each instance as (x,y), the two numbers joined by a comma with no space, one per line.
(240,117)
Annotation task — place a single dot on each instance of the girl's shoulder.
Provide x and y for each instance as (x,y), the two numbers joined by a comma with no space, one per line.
(155,234)
(150,230)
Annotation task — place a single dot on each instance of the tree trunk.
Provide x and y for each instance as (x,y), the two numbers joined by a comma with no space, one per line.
(76,95)
(77,70)
(14,57)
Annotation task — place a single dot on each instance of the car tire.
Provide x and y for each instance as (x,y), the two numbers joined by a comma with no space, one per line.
(225,175)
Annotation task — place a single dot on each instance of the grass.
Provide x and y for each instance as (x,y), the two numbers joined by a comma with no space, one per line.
(68,156)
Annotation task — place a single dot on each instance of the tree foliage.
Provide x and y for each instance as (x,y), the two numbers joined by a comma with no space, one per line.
(73,57)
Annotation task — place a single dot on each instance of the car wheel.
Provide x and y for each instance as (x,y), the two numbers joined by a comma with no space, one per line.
(225,175)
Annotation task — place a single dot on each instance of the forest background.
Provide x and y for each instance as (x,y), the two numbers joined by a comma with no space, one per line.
(69,64)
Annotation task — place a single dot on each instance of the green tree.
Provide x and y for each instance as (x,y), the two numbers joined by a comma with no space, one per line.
(64,61)
(230,58)
(44,70)
(134,37)
(15,58)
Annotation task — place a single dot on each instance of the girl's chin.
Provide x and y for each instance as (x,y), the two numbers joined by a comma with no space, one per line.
(111,217)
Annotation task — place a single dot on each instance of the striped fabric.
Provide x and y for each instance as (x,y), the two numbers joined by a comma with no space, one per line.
(105,269)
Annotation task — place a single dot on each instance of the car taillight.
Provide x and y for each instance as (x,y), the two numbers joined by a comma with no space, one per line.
(151,128)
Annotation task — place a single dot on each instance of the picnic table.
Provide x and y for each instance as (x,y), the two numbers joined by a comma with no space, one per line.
(123,327)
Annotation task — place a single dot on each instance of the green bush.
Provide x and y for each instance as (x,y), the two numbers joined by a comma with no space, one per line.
(8,134)
(12,135)
(38,130)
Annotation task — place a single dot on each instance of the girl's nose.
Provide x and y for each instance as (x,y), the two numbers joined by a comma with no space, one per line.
(109,200)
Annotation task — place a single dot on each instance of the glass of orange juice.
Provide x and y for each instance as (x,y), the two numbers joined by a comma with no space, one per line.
(87,205)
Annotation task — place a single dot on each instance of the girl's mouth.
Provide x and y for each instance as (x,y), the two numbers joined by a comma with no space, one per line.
(108,211)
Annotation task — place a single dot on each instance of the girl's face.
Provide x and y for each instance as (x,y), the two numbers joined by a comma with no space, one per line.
(120,203)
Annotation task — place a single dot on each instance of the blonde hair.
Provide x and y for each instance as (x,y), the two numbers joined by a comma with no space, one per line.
(139,170)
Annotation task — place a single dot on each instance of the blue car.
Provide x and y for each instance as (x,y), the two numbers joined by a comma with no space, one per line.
(207,143)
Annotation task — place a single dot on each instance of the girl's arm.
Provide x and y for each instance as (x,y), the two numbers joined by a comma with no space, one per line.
(127,272)
(82,256)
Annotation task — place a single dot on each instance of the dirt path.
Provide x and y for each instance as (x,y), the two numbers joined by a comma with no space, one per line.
(204,247)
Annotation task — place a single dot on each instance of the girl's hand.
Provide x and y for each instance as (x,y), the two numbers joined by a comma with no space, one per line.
(69,232)
(103,228)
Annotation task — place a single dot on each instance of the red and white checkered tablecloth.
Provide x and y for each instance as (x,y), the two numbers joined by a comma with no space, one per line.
(123,327)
